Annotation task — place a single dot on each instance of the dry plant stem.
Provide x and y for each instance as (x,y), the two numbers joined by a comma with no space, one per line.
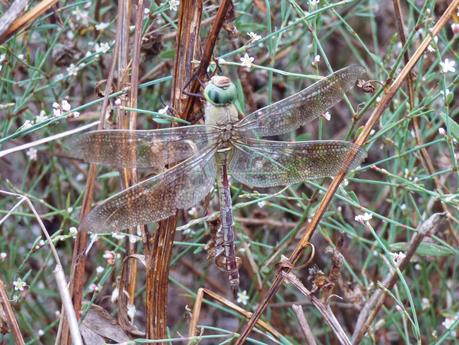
(307,332)
(79,257)
(11,14)
(372,121)
(10,318)
(47,139)
(193,331)
(68,307)
(425,157)
(125,121)
(207,55)
(374,303)
(323,308)
(158,262)
(27,18)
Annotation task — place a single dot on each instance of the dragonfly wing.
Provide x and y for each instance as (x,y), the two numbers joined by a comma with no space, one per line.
(266,163)
(302,107)
(150,148)
(158,197)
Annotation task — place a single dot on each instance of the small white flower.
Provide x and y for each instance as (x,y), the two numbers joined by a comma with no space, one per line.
(398,257)
(455,28)
(246,61)
(314,3)
(133,238)
(2,57)
(327,116)
(433,45)
(72,70)
(146,11)
(242,297)
(81,17)
(57,112)
(102,48)
(99,269)
(21,57)
(316,60)
(19,284)
(109,256)
(102,26)
(41,117)
(254,37)
(425,303)
(27,124)
(3,256)
(32,154)
(65,105)
(448,66)
(403,207)
(41,332)
(441,131)
(363,217)
(76,114)
(131,310)
(448,323)
(93,287)
(173,5)
(73,231)
(261,203)
(118,102)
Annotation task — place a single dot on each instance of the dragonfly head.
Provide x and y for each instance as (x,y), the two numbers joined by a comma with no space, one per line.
(220,91)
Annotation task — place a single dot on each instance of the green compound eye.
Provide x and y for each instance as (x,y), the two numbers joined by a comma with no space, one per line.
(220,91)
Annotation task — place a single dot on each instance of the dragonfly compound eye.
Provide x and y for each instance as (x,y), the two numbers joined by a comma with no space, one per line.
(220,91)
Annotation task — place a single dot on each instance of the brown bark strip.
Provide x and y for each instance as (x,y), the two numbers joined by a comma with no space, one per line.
(372,121)
(27,19)
(76,282)
(11,14)
(158,262)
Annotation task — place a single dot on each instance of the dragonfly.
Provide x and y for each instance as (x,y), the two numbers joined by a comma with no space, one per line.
(223,146)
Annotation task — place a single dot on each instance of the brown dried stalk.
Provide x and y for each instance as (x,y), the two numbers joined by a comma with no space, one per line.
(158,262)
(374,303)
(372,121)
(323,308)
(307,332)
(27,18)
(10,15)
(207,55)
(79,257)
(9,313)
(193,331)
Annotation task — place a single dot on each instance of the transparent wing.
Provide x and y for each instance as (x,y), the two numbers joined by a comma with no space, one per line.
(158,197)
(298,109)
(266,163)
(150,148)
